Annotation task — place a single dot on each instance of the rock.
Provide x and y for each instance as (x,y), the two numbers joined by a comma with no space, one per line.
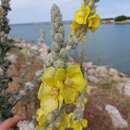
(88,65)
(113,72)
(26,125)
(122,75)
(124,88)
(92,79)
(127,89)
(92,72)
(117,120)
(116,78)
(120,88)
(102,71)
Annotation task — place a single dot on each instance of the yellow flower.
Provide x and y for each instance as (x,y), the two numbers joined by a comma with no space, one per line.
(82,14)
(79,125)
(74,84)
(49,104)
(41,119)
(59,85)
(68,121)
(65,122)
(75,75)
(48,75)
(70,83)
(93,22)
(74,26)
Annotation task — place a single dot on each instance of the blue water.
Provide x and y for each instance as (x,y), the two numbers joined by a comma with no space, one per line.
(110,45)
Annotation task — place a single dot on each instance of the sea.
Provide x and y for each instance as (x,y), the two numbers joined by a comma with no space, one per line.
(109,45)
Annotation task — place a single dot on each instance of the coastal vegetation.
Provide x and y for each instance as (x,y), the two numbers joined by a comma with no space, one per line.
(5,104)
(122,18)
(119,19)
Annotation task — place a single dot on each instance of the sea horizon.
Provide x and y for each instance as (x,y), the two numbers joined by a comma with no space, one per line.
(104,47)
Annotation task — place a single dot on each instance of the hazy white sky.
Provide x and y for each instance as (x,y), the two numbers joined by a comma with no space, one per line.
(24,11)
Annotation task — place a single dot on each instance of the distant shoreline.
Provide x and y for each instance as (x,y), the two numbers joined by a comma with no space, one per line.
(115,22)
(69,22)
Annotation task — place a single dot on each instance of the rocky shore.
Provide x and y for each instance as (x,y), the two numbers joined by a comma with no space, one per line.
(108,106)
(115,22)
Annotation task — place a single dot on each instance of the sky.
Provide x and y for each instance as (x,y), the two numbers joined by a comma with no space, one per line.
(26,11)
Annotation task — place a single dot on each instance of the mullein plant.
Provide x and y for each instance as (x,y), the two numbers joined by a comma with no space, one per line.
(63,91)
(5,105)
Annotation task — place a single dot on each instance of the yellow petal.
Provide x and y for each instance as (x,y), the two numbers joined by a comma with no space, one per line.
(60,101)
(48,76)
(79,17)
(60,74)
(73,69)
(74,27)
(48,128)
(79,83)
(77,125)
(94,22)
(40,113)
(88,90)
(69,95)
(82,14)
(38,127)
(59,77)
(84,123)
(44,91)
(49,104)
(86,10)
(41,119)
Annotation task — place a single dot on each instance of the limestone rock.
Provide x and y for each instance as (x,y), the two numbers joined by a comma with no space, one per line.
(113,72)
(88,65)
(93,79)
(124,88)
(127,89)
(102,71)
(117,119)
(120,88)
(92,72)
